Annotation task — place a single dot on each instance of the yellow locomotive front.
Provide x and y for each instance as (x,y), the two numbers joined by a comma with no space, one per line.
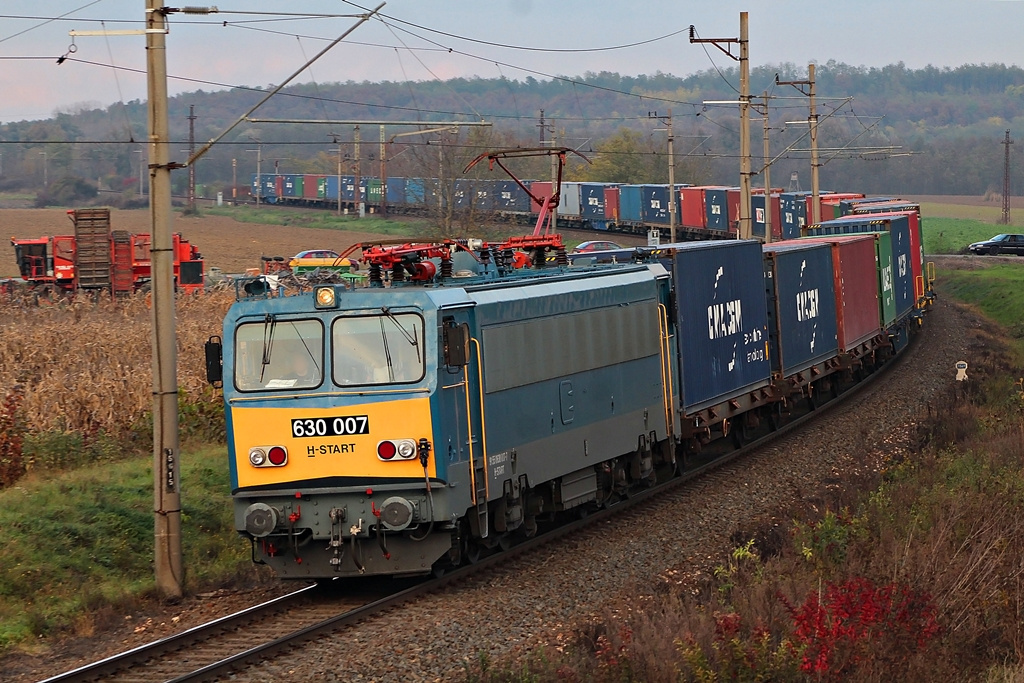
(329,399)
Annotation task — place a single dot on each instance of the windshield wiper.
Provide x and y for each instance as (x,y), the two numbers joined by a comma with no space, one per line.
(269,324)
(411,338)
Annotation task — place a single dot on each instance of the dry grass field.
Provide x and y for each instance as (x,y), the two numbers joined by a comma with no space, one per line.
(83,365)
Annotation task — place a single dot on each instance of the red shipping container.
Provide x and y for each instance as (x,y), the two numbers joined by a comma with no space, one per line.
(733,202)
(279,186)
(693,213)
(611,203)
(856,284)
(540,189)
(309,185)
(776,217)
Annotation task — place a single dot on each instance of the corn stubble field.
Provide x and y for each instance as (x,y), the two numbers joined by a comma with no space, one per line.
(82,367)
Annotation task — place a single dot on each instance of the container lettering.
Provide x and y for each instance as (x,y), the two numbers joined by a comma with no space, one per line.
(807,305)
(725,319)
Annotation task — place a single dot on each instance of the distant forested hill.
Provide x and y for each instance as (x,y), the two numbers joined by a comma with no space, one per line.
(924,131)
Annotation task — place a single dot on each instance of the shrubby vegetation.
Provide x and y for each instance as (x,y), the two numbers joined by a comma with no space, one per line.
(943,125)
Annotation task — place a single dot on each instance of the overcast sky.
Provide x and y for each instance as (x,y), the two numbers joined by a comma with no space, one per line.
(261,44)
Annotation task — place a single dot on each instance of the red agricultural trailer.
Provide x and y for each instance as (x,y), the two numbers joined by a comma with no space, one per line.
(95,257)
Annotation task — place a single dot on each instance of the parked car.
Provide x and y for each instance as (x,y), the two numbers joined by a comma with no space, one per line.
(597,245)
(306,261)
(1000,244)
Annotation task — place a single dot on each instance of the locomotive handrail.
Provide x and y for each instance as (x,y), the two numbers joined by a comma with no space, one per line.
(469,437)
(666,368)
(483,418)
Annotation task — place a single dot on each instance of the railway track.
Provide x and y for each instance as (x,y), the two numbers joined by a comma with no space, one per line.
(214,650)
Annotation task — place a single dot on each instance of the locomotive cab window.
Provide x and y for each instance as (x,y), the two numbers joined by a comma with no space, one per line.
(377,349)
(275,354)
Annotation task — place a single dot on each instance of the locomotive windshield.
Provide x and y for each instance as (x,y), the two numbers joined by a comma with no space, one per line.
(279,354)
(377,349)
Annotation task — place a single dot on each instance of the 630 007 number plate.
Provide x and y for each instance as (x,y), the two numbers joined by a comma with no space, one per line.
(331,426)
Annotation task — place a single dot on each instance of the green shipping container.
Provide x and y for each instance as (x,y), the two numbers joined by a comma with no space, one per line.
(886,293)
(321,188)
(373,191)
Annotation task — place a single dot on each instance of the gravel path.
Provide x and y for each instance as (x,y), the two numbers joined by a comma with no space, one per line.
(534,598)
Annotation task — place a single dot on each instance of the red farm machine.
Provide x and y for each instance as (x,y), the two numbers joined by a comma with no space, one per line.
(97,258)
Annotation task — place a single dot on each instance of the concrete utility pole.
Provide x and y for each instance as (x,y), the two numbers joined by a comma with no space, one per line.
(744,230)
(671,173)
(383,177)
(166,492)
(234,182)
(360,207)
(812,120)
(1005,220)
(767,176)
(191,151)
(554,182)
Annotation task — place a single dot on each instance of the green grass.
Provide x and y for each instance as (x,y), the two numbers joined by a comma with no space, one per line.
(323,220)
(944,235)
(997,291)
(80,544)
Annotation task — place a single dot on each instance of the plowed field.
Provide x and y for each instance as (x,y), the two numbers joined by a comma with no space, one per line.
(223,241)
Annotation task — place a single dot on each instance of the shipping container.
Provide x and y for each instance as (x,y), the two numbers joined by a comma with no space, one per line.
(802,326)
(540,189)
(906,268)
(723,320)
(374,191)
(732,198)
(793,207)
(415,192)
(510,197)
(913,217)
(896,205)
(655,204)
(592,202)
(395,191)
(611,203)
(331,188)
(691,208)
(846,206)
(757,201)
(856,282)
(312,188)
(291,186)
(631,204)
(716,203)
(887,294)
(569,201)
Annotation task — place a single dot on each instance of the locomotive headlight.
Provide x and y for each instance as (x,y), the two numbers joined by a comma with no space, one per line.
(406,449)
(258,457)
(325,297)
(396,449)
(268,456)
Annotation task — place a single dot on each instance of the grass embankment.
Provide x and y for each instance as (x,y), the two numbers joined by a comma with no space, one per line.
(324,220)
(78,545)
(912,575)
(76,500)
